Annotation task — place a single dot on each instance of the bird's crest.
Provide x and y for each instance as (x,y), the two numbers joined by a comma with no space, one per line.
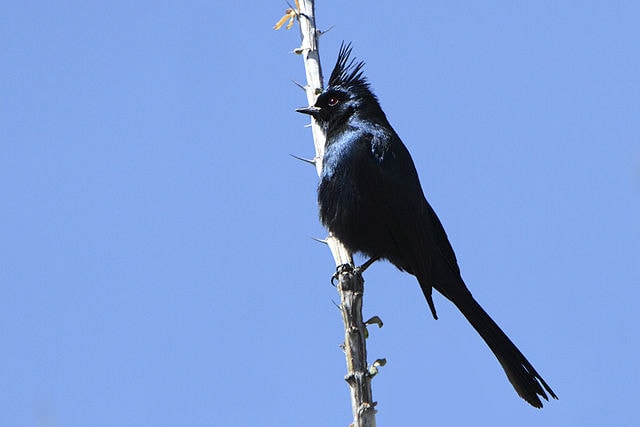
(347,71)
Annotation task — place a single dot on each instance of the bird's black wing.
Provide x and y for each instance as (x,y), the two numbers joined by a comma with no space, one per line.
(420,244)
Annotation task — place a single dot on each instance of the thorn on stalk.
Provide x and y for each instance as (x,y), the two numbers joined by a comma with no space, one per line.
(319,240)
(323,32)
(311,161)
(300,85)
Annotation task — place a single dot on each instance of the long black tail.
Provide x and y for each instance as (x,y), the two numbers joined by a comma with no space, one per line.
(523,376)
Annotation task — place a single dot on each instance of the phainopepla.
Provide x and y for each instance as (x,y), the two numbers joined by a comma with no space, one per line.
(371,199)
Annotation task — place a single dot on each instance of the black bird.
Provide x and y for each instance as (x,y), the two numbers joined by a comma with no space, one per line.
(371,199)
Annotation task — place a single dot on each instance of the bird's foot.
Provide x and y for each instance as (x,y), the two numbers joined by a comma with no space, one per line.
(342,268)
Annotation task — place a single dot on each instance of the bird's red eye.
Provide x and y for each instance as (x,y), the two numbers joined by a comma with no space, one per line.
(333,101)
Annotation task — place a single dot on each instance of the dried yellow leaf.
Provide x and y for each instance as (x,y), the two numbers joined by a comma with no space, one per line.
(289,15)
(280,23)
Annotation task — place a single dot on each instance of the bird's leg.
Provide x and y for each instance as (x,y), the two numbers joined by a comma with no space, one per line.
(367,264)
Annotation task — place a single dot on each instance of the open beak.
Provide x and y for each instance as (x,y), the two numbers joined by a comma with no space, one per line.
(312,110)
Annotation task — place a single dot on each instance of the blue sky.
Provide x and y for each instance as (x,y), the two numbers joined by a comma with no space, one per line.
(156,266)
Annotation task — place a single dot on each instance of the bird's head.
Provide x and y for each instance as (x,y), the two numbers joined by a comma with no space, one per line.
(347,94)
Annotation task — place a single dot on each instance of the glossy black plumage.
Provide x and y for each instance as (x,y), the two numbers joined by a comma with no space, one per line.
(370,197)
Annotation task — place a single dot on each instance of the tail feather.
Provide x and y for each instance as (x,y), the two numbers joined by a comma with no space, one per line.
(523,376)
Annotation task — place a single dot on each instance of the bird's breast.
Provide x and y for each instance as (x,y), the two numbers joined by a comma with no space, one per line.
(347,207)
